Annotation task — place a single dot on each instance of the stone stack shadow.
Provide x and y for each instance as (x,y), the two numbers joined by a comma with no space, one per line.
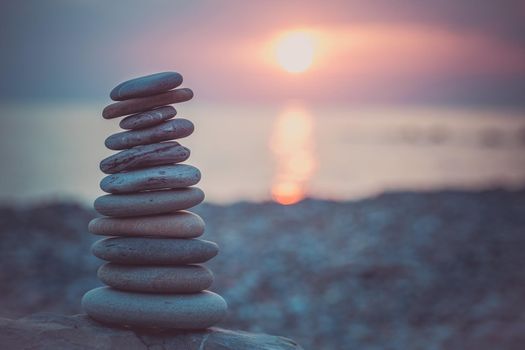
(153,274)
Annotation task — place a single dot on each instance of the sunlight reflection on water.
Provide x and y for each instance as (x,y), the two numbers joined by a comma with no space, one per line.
(292,144)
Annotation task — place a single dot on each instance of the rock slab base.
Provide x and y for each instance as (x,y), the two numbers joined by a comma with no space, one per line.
(58,332)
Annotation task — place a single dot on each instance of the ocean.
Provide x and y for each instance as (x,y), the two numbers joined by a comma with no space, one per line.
(282,152)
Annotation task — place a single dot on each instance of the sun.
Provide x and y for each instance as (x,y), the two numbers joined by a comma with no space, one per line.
(294,51)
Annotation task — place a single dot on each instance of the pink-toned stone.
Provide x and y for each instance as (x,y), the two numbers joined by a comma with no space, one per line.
(147,310)
(156,279)
(149,203)
(159,177)
(145,156)
(171,129)
(146,86)
(143,104)
(182,224)
(154,251)
(147,119)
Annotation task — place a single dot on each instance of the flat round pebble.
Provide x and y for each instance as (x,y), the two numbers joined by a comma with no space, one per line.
(145,156)
(145,310)
(166,176)
(182,224)
(146,86)
(149,118)
(143,104)
(154,251)
(156,279)
(149,203)
(171,129)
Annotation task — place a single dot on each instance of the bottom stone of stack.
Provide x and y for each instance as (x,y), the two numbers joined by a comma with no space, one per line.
(146,310)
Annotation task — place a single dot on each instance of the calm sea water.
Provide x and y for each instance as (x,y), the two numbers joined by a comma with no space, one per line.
(285,152)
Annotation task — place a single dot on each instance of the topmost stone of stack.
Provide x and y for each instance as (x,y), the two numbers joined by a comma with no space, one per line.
(146,86)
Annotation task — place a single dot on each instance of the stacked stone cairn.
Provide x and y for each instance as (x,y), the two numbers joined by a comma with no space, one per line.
(153,274)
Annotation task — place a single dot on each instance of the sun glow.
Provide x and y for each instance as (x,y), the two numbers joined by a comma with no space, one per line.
(294,51)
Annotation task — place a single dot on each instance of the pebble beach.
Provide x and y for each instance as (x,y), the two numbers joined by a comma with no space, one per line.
(427,270)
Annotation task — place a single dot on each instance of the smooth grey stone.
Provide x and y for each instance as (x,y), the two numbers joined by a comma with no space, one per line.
(156,279)
(145,156)
(146,86)
(182,311)
(166,176)
(171,129)
(143,104)
(154,251)
(149,118)
(182,224)
(149,203)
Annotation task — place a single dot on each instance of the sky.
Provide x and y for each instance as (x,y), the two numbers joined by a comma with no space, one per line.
(414,52)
